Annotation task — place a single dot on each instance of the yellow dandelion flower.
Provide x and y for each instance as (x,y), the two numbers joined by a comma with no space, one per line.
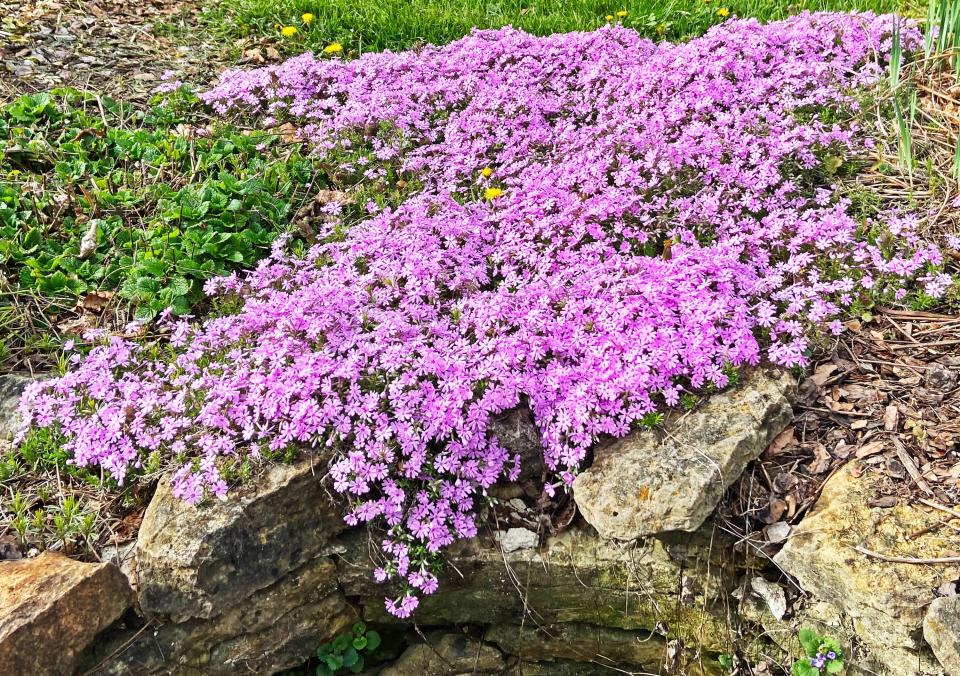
(487,172)
(306,18)
(609,17)
(288,31)
(334,48)
(622,13)
(723,12)
(492,193)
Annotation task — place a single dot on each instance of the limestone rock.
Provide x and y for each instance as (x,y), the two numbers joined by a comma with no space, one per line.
(941,629)
(586,644)
(514,539)
(648,483)
(277,628)
(197,561)
(11,389)
(52,607)
(447,655)
(884,601)
(573,577)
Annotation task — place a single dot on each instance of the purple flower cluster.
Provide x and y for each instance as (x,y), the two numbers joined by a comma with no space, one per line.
(604,224)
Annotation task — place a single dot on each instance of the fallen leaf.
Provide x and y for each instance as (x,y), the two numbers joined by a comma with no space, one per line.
(253,56)
(96,301)
(780,443)
(891,417)
(773,511)
(822,373)
(872,448)
(884,502)
(822,460)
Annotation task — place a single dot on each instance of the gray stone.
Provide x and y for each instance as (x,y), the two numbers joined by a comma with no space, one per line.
(652,482)
(11,389)
(198,561)
(940,377)
(941,629)
(447,655)
(514,539)
(277,628)
(51,609)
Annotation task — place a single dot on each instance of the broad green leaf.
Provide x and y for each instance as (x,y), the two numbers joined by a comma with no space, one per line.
(810,641)
(350,657)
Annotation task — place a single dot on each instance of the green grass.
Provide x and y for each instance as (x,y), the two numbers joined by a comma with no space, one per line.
(401,24)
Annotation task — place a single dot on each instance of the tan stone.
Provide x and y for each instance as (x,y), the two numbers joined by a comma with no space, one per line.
(52,607)
(651,482)
(886,602)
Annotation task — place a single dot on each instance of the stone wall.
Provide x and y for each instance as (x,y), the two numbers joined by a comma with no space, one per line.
(642,581)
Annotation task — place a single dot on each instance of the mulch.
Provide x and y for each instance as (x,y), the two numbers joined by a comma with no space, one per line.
(886,397)
(122,48)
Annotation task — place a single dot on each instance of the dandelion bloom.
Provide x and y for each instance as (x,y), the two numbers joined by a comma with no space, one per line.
(609,17)
(492,193)
(307,18)
(723,12)
(334,48)
(622,13)
(487,172)
(288,31)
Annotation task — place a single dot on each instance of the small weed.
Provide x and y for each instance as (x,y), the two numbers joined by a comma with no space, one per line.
(823,655)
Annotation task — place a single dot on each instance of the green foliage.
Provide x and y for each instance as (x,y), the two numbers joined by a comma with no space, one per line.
(345,654)
(651,420)
(401,24)
(147,202)
(36,518)
(817,650)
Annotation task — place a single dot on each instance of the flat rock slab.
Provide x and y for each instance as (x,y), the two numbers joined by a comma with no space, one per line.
(885,602)
(651,482)
(52,607)
(941,629)
(199,561)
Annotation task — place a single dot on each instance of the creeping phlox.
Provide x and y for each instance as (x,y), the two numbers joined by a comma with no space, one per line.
(530,268)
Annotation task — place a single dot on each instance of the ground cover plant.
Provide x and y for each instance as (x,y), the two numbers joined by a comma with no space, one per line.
(100,199)
(299,25)
(590,224)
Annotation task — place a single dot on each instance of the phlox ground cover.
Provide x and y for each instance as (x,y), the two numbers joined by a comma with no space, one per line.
(604,225)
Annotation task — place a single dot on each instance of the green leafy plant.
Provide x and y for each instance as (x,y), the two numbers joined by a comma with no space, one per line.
(346,652)
(822,655)
(99,198)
